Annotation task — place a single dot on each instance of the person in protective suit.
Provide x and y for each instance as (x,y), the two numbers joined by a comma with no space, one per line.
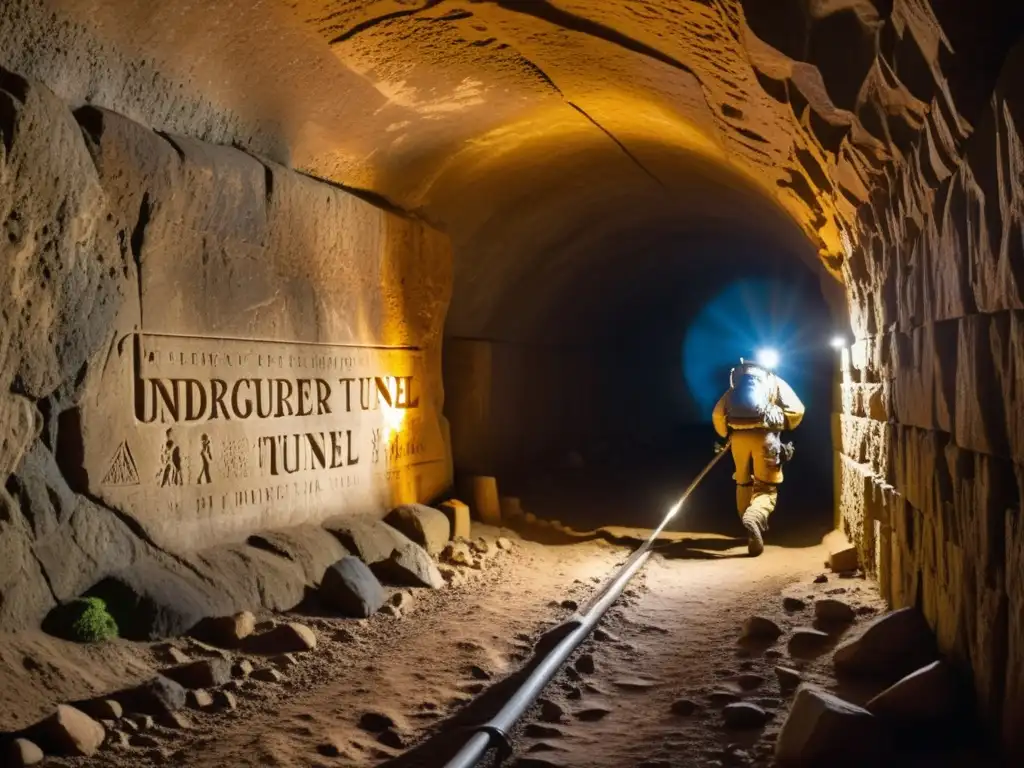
(758,406)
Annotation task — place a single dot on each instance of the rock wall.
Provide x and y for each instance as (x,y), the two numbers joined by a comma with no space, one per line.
(197,344)
(930,434)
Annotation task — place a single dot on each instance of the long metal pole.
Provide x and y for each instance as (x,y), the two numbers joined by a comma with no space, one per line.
(501,724)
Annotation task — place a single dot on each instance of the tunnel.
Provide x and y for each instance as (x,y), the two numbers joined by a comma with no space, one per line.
(351,349)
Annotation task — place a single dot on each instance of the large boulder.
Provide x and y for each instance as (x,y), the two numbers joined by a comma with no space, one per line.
(371,540)
(71,732)
(311,547)
(350,587)
(425,525)
(891,647)
(409,566)
(159,697)
(822,729)
(928,695)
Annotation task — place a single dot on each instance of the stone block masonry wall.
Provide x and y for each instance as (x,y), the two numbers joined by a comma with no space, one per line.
(196,344)
(930,437)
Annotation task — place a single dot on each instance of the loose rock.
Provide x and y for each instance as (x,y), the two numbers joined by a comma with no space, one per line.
(207,673)
(22,753)
(409,565)
(569,605)
(585,664)
(226,631)
(424,525)
(71,732)
(458,518)
(807,642)
(844,559)
(102,709)
(892,646)
(550,712)
(744,715)
(832,611)
(225,700)
(793,604)
(722,698)
(504,544)
(925,696)
(199,699)
(155,697)
(684,707)
(241,669)
(350,587)
(789,678)
(821,728)
(760,628)
(284,638)
(457,553)
(284,661)
(267,675)
(750,681)
(821,578)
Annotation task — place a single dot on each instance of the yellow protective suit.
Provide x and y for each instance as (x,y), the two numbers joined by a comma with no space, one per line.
(757,450)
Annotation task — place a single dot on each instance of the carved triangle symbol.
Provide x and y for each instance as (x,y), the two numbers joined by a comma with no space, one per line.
(122,469)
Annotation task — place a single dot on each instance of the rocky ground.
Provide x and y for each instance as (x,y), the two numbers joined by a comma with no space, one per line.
(695,666)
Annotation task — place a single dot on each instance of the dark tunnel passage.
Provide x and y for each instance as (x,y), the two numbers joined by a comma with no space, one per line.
(595,316)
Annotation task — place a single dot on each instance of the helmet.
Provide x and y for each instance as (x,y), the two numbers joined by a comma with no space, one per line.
(747,367)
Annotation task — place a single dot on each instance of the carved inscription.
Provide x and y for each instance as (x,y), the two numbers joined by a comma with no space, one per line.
(236,426)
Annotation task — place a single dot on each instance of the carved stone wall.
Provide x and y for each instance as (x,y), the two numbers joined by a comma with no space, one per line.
(929,438)
(197,344)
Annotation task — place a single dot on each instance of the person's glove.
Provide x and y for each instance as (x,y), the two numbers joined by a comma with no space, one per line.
(774,418)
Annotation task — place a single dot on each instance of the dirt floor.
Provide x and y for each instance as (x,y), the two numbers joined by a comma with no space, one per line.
(646,690)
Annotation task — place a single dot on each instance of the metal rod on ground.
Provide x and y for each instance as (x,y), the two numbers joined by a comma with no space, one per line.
(501,724)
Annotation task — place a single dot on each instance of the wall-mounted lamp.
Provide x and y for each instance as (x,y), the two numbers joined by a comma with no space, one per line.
(838,342)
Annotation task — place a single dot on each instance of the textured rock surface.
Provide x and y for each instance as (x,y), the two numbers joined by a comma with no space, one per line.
(822,729)
(426,526)
(350,587)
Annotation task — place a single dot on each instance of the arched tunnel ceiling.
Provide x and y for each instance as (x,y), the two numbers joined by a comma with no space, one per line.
(535,130)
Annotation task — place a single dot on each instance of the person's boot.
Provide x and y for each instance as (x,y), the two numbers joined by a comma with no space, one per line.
(755,535)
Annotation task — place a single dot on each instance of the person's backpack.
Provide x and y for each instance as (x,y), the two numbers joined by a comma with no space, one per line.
(752,391)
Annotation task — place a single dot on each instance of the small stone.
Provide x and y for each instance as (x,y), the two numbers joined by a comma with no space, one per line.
(241,669)
(154,697)
(744,715)
(538,731)
(143,722)
(102,709)
(225,700)
(844,559)
(448,573)
(478,673)
(773,653)
(480,545)
(750,681)
(925,696)
(175,720)
(70,731)
(23,752)
(207,673)
(267,675)
(199,699)
(175,655)
(285,638)
(458,517)
(144,740)
(807,642)
(585,664)
(720,698)
(328,749)
(761,628)
(116,739)
(550,712)
(226,631)
(569,605)
(457,553)
(351,588)
(402,600)
(793,604)
(284,661)
(820,726)
(832,611)
(390,738)
(593,714)
(390,610)
(574,693)
(504,544)
(821,578)
(788,677)
(375,722)
(684,707)
(891,647)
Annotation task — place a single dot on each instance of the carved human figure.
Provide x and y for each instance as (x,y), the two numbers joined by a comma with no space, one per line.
(170,458)
(205,457)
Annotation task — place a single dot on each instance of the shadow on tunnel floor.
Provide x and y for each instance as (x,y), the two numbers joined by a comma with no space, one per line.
(638,492)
